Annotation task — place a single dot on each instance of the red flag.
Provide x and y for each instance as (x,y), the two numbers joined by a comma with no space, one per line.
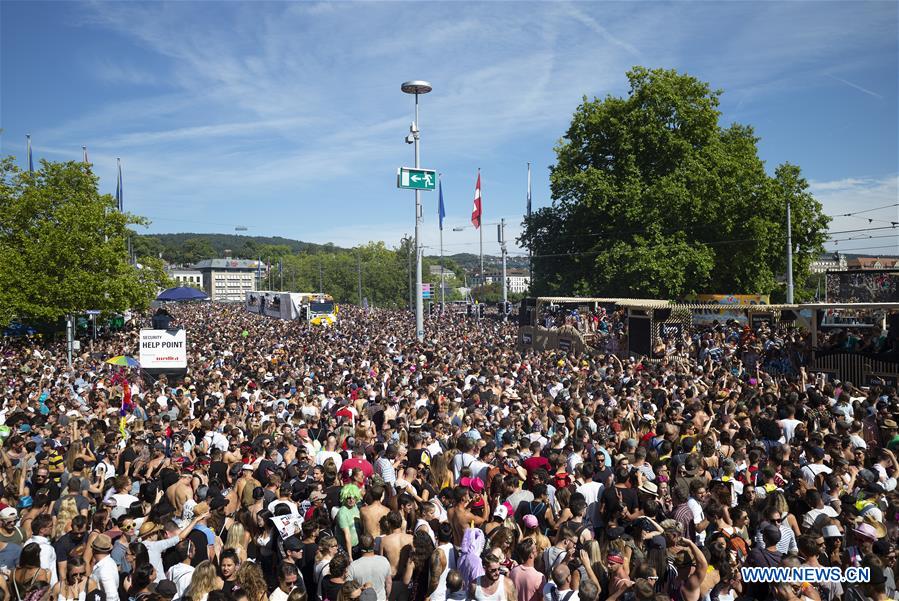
(476,210)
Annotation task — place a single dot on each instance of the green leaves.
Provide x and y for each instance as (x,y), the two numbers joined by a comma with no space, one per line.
(63,246)
(651,197)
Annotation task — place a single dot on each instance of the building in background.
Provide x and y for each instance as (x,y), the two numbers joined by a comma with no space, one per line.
(185,276)
(518,281)
(883,262)
(228,279)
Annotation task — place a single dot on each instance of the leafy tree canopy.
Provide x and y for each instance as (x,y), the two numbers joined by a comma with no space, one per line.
(653,198)
(64,246)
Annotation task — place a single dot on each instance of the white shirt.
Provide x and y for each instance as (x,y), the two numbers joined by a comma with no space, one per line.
(182,575)
(479,469)
(788,426)
(325,455)
(462,460)
(574,460)
(811,471)
(698,516)
(809,519)
(591,491)
(217,440)
(106,575)
(550,587)
(123,502)
(48,556)
(155,549)
(889,484)
(278,595)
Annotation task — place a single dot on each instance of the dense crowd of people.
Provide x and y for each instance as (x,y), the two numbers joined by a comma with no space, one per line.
(297,463)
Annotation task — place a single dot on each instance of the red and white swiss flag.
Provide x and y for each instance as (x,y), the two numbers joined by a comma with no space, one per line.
(476,210)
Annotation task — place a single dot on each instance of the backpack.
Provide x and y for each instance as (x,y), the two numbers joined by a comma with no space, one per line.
(737,544)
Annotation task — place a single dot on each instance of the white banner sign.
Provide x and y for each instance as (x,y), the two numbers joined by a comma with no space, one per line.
(163,349)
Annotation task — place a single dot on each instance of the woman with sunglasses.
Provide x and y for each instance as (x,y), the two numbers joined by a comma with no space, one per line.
(76,584)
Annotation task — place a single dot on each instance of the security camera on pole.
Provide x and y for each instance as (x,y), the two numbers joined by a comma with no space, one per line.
(417,179)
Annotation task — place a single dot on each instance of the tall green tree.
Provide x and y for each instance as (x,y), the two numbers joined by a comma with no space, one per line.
(63,245)
(652,197)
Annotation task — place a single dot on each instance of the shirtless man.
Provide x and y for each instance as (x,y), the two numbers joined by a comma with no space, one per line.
(490,586)
(396,545)
(461,517)
(375,510)
(245,485)
(232,455)
(180,492)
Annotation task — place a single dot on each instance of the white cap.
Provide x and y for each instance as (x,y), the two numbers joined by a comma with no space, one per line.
(9,513)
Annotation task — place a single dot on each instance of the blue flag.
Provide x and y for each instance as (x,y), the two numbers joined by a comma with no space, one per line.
(118,188)
(30,160)
(441,210)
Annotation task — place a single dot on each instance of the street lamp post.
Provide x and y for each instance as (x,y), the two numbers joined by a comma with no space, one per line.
(417,87)
(501,231)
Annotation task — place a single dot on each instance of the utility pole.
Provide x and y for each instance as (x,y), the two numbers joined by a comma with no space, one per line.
(789,256)
(501,231)
(70,336)
(359,270)
(321,286)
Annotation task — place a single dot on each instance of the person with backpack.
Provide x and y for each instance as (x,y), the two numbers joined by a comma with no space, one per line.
(559,587)
(562,550)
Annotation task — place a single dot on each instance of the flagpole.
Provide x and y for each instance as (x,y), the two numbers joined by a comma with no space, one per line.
(30,160)
(481,233)
(440,213)
(530,251)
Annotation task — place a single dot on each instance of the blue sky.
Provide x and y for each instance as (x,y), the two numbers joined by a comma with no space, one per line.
(287,118)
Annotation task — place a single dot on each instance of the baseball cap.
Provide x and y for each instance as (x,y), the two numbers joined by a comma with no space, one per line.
(292,543)
(9,513)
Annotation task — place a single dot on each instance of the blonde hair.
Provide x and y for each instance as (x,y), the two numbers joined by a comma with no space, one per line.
(68,509)
(324,543)
(237,536)
(778,501)
(205,579)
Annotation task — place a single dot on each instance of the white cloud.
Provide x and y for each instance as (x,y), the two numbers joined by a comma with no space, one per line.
(257,109)
(852,195)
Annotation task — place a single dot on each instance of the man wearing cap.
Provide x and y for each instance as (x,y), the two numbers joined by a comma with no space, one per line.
(105,572)
(293,555)
(864,535)
(10,533)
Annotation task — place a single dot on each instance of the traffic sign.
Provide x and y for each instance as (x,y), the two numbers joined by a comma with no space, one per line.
(416,179)
(426,291)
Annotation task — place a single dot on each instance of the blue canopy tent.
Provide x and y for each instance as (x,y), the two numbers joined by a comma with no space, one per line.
(182,293)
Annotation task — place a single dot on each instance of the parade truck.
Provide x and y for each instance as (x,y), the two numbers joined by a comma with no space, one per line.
(322,312)
(313,307)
